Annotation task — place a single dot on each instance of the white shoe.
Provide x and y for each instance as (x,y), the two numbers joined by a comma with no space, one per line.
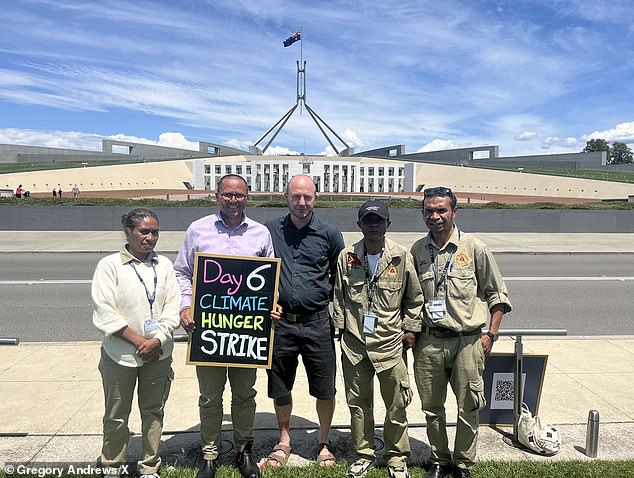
(400,471)
(359,468)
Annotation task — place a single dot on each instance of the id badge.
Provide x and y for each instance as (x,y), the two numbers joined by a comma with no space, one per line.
(369,323)
(437,308)
(150,326)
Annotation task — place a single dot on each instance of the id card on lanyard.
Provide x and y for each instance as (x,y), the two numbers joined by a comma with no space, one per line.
(437,303)
(150,325)
(370,320)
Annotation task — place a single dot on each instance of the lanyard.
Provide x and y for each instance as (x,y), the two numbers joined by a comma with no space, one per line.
(371,280)
(438,281)
(150,298)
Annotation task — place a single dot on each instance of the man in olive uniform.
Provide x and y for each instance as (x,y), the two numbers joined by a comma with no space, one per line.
(377,304)
(461,284)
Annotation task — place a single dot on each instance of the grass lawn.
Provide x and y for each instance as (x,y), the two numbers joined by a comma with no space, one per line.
(489,469)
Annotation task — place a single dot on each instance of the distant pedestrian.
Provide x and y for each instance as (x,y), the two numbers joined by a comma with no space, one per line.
(75,191)
(59,192)
(54,192)
(18,192)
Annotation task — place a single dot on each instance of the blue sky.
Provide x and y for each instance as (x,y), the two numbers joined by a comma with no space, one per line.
(533,77)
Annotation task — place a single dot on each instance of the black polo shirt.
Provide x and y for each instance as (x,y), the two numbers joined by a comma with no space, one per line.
(309,263)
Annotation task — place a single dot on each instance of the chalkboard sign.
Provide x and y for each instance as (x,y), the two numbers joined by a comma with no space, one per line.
(232,299)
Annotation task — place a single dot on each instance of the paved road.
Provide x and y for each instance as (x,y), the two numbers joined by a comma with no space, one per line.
(50,299)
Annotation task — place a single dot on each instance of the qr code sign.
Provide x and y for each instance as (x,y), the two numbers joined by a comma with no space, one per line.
(503,390)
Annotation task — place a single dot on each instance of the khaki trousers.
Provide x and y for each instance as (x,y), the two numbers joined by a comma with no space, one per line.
(211,383)
(394,385)
(154,379)
(458,361)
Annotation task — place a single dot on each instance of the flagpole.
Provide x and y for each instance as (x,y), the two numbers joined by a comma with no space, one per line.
(301,63)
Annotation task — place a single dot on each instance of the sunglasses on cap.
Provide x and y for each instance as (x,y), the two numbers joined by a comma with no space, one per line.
(437,191)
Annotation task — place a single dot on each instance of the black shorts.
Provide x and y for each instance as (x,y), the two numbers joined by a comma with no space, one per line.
(314,341)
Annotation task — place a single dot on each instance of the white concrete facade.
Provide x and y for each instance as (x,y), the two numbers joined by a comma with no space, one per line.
(330,174)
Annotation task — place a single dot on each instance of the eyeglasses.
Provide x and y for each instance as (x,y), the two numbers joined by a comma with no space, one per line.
(230,196)
(437,191)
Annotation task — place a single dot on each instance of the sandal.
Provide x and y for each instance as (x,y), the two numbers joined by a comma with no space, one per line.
(325,459)
(279,455)
(359,468)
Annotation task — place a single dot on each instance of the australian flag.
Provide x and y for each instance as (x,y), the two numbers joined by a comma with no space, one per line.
(293,38)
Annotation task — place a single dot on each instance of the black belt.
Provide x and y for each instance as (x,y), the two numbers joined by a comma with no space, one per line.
(442,333)
(299,317)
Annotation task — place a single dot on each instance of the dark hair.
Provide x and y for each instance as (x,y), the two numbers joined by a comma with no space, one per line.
(131,219)
(231,176)
(442,192)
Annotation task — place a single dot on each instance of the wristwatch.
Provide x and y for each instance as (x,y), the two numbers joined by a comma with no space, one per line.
(492,336)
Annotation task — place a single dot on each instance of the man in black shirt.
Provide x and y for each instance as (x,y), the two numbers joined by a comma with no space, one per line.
(309,248)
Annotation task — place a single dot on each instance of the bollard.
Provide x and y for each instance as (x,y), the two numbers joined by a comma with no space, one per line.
(592,434)
(9,341)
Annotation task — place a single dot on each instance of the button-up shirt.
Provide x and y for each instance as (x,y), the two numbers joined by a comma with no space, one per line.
(396,302)
(471,285)
(211,234)
(309,261)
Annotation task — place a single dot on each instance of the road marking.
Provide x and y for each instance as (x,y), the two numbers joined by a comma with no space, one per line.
(508,279)
(45,282)
(568,279)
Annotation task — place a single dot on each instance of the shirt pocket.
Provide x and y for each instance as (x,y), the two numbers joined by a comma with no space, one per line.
(387,294)
(462,285)
(356,291)
(426,280)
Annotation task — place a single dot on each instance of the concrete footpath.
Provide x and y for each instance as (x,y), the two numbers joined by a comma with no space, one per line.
(51,402)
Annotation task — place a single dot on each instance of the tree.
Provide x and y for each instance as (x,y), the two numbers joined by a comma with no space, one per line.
(596,145)
(620,153)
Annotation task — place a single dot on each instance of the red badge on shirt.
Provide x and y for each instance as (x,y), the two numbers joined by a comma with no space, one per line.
(353,260)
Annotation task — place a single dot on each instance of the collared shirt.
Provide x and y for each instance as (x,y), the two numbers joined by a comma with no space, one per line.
(120,299)
(210,234)
(309,262)
(472,285)
(396,302)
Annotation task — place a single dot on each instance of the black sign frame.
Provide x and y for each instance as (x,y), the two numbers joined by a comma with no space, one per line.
(500,366)
(221,302)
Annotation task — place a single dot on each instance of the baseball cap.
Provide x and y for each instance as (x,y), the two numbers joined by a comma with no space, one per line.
(374,207)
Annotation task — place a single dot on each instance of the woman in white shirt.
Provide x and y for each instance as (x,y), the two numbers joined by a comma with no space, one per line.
(136,300)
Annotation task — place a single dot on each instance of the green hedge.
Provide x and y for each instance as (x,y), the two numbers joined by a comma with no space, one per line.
(267,202)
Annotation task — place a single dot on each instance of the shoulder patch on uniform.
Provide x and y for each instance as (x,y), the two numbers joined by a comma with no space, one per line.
(392,272)
(352,259)
(462,259)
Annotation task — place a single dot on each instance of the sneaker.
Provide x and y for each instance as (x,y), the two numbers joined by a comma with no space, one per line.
(398,471)
(359,468)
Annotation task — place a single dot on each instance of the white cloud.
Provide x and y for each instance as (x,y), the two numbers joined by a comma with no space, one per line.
(437,145)
(556,143)
(280,151)
(352,138)
(525,136)
(51,139)
(86,141)
(176,140)
(623,132)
